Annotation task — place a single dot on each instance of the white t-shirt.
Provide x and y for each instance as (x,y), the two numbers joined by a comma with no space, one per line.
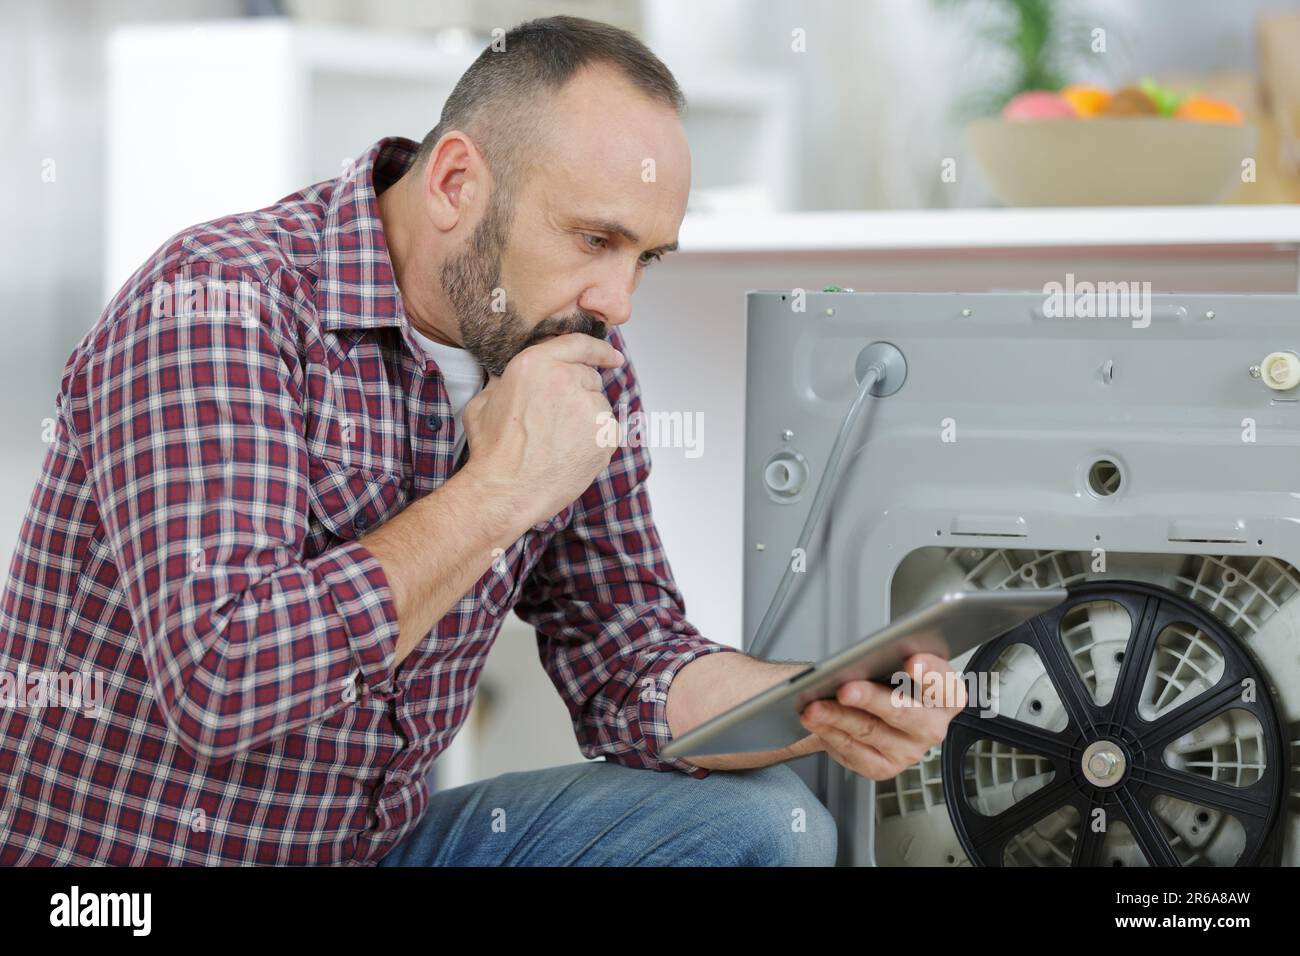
(463,377)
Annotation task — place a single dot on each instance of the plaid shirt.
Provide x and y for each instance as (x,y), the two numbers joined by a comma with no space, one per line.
(196,539)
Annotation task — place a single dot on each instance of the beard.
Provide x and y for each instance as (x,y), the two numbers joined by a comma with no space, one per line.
(471,280)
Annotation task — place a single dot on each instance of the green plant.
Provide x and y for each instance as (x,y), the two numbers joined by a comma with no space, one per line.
(1038,42)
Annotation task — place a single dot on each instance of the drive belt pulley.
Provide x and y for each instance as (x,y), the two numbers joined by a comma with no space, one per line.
(1108,759)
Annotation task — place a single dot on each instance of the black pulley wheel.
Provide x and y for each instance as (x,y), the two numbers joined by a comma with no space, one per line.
(1109,756)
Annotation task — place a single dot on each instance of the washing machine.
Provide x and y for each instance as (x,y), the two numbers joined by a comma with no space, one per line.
(1146,460)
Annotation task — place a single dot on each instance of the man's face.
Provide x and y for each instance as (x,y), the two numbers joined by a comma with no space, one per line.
(491,328)
(598,205)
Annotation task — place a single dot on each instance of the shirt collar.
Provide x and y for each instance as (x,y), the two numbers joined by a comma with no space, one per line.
(356,287)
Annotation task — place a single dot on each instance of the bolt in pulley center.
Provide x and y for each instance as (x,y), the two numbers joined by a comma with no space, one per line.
(1103,763)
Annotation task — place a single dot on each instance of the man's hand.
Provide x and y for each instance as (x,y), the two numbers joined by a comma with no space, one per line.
(533,437)
(867,732)
(533,432)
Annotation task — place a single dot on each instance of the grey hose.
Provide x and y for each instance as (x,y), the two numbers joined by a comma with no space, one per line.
(825,489)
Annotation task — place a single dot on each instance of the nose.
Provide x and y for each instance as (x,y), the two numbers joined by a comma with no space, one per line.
(610,300)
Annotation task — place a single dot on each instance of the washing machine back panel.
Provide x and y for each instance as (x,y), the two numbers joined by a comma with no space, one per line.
(1015,427)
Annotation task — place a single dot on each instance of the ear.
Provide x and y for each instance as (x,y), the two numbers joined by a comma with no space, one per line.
(454,179)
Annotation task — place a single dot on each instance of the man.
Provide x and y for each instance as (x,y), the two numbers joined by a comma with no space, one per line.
(287,532)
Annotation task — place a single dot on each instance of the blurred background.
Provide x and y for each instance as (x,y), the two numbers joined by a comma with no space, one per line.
(833,143)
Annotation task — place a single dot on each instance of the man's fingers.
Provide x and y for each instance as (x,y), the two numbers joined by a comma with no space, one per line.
(857,723)
(853,754)
(937,680)
(861,741)
(582,348)
(902,710)
(877,730)
(589,378)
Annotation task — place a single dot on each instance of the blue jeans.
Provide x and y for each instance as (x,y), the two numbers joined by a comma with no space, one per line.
(601,813)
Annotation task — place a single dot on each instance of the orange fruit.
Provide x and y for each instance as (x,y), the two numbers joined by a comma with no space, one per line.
(1206,109)
(1086,100)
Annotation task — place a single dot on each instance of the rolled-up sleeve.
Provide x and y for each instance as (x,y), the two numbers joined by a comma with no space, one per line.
(191,431)
(611,624)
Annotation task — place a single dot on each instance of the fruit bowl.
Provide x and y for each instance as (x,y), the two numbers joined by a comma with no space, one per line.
(1109,161)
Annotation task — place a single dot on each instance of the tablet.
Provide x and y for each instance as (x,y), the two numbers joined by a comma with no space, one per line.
(956,623)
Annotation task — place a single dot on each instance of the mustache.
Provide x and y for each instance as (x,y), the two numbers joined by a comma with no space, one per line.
(583,322)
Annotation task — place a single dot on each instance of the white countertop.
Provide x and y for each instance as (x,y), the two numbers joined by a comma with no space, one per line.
(991,228)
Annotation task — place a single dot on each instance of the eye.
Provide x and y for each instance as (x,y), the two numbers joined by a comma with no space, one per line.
(595,242)
(654,257)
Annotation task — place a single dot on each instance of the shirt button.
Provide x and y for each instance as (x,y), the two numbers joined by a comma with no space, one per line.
(434,422)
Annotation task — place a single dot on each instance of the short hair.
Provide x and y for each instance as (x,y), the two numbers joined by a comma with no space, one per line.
(499,101)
